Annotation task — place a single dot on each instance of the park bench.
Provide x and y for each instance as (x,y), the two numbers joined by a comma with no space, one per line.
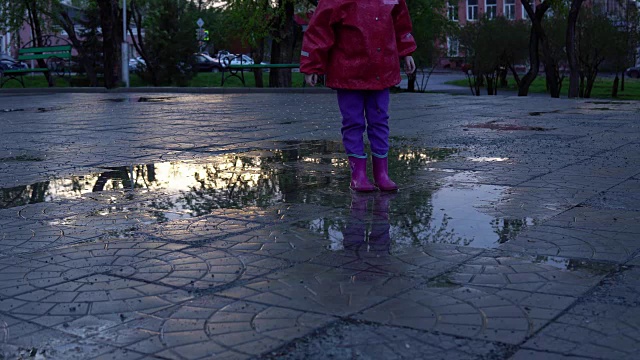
(237,70)
(56,57)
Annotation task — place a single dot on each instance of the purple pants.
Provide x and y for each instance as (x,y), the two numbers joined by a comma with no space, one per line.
(364,110)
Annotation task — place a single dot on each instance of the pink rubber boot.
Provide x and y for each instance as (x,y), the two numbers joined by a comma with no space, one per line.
(381,175)
(359,181)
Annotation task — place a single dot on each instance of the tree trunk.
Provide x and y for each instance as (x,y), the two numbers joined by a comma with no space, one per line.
(503,77)
(411,81)
(38,39)
(614,91)
(574,71)
(282,48)
(553,77)
(534,64)
(516,76)
(591,79)
(258,56)
(550,63)
(622,82)
(138,42)
(68,25)
(111,41)
(536,38)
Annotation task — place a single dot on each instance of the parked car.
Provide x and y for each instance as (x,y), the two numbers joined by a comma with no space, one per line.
(9,63)
(136,64)
(238,60)
(207,63)
(222,54)
(634,72)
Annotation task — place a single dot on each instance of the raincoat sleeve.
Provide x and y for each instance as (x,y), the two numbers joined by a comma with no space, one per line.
(318,39)
(402,24)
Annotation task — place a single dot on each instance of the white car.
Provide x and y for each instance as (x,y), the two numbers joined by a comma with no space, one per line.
(237,60)
(136,64)
(634,72)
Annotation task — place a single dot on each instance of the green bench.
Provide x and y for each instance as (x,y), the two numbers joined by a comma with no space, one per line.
(237,70)
(57,59)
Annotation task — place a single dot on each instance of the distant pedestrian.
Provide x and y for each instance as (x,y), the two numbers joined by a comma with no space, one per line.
(358,45)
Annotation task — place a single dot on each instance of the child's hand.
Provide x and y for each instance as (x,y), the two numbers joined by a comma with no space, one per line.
(311,79)
(409,65)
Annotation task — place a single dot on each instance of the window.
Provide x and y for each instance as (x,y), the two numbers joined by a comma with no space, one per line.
(453,47)
(491,8)
(472,10)
(452,10)
(510,9)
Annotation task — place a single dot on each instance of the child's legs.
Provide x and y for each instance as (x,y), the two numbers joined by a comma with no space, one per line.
(376,110)
(351,103)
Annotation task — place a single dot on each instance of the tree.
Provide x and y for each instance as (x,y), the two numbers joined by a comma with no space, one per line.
(555,25)
(87,40)
(627,21)
(491,47)
(110,22)
(285,33)
(596,36)
(430,28)
(247,19)
(537,38)
(269,20)
(572,55)
(169,42)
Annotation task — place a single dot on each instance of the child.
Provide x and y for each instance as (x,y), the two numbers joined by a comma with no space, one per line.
(357,45)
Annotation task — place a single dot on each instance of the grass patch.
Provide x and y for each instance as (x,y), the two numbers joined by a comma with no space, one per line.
(203,79)
(601,88)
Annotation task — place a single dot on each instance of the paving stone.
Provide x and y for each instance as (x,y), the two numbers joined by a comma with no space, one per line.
(145,262)
(604,324)
(211,326)
(623,197)
(369,341)
(535,274)
(575,242)
(602,331)
(508,316)
(322,289)
(25,339)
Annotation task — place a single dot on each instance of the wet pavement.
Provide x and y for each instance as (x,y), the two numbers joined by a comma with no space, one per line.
(221,226)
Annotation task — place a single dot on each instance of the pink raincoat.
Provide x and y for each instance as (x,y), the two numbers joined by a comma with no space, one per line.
(357,43)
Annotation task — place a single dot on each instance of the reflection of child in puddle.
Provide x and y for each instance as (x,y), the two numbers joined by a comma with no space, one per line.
(364,233)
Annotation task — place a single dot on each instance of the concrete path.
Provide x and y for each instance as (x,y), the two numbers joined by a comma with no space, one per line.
(221,226)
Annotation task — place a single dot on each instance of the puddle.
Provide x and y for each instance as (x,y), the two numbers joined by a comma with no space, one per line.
(139,99)
(448,210)
(155,99)
(116,100)
(454,213)
(299,172)
(488,159)
(538,113)
(40,109)
(20,158)
(607,102)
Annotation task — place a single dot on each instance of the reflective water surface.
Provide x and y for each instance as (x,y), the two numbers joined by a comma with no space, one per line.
(433,206)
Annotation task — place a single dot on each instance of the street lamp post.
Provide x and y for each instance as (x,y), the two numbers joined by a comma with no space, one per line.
(125,46)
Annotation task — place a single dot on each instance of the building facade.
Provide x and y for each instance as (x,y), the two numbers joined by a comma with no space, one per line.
(464,11)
